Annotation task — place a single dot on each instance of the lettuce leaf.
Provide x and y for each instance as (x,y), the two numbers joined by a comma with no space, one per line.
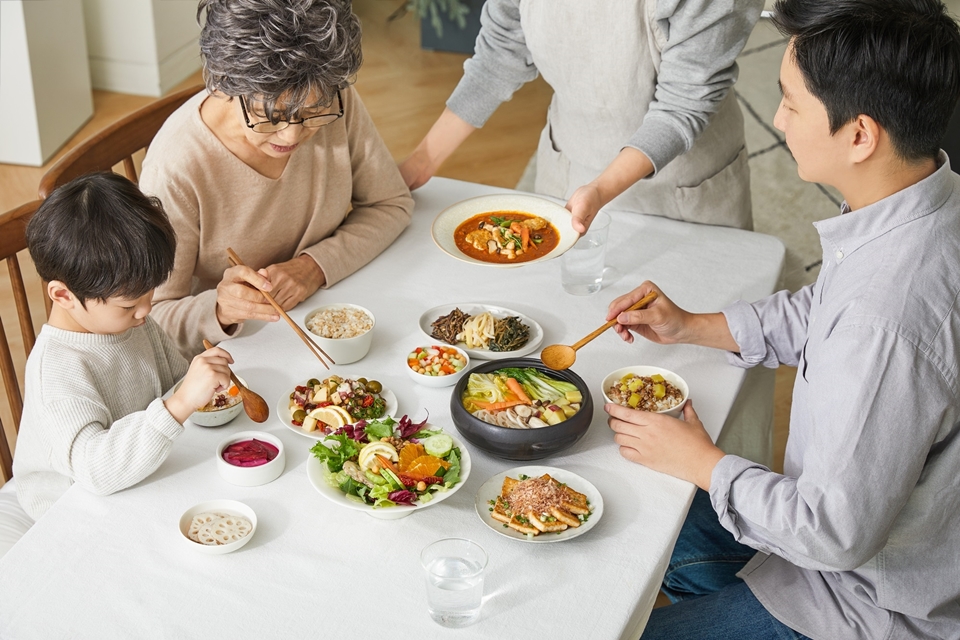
(452,476)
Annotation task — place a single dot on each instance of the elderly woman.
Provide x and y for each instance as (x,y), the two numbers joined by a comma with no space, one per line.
(278,159)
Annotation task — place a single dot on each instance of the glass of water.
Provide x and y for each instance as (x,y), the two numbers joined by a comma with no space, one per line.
(581,267)
(454,572)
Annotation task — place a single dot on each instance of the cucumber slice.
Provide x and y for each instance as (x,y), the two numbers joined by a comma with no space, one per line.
(438,445)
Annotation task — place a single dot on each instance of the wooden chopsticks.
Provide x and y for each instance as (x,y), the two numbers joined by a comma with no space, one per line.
(314,347)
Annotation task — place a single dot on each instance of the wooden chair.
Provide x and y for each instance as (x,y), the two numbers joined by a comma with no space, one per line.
(13,225)
(116,144)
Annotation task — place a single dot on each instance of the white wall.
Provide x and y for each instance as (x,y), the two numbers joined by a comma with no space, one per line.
(144,47)
(44,78)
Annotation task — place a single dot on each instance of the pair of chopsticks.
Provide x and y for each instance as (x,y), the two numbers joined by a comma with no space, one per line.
(314,347)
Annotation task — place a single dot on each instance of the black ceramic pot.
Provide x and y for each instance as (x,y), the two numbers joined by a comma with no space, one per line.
(521,444)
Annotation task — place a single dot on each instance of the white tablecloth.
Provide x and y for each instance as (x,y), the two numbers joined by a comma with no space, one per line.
(115,567)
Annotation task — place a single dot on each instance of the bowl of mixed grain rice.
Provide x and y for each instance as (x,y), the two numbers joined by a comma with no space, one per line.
(647,388)
(343,331)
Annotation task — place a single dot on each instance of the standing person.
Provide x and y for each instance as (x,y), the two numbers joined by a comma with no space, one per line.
(860,536)
(279,160)
(642,116)
(93,411)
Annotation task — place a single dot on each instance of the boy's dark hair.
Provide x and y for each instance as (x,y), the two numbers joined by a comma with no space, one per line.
(897,61)
(102,237)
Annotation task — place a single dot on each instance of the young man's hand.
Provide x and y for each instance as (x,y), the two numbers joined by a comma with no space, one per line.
(661,321)
(208,373)
(664,322)
(680,448)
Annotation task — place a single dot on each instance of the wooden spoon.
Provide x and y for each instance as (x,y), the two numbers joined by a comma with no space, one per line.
(561,356)
(255,406)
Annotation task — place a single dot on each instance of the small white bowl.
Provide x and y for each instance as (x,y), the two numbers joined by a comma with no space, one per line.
(437,381)
(343,350)
(231,507)
(251,476)
(219,417)
(641,370)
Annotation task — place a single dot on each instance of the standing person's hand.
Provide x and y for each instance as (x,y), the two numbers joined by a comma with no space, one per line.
(295,280)
(238,298)
(209,372)
(416,169)
(444,137)
(680,448)
(584,205)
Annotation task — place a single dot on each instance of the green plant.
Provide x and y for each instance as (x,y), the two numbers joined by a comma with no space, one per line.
(455,10)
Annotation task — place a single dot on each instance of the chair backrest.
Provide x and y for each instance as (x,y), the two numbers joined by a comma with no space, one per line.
(13,225)
(115,144)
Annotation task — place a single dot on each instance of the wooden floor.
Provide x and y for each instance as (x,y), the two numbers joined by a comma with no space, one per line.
(404,88)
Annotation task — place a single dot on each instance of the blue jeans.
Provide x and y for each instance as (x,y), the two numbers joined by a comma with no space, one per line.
(710,601)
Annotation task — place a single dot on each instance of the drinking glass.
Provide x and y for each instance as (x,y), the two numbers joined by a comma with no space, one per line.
(581,267)
(454,573)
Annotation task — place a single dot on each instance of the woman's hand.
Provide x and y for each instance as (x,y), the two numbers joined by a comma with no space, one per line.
(209,372)
(584,205)
(444,137)
(238,298)
(416,169)
(295,280)
(680,448)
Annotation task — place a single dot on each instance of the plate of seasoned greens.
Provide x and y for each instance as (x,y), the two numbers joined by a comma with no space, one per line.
(485,332)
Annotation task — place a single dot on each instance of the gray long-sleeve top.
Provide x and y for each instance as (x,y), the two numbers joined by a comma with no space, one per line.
(860,537)
(698,42)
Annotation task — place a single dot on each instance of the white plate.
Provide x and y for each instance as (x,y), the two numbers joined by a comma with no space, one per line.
(492,487)
(316,471)
(450,218)
(473,309)
(283,413)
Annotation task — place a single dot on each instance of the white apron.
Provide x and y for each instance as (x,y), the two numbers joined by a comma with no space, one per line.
(602,60)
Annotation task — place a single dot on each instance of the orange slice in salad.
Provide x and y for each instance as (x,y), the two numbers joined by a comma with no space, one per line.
(410,452)
(427,466)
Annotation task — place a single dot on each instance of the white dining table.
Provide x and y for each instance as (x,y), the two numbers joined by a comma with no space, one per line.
(117,566)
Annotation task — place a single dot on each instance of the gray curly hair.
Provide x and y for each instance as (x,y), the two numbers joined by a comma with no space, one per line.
(300,51)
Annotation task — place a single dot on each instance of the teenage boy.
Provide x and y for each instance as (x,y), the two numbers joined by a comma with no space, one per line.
(93,412)
(860,537)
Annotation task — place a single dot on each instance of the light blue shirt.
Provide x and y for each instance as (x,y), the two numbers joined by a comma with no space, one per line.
(860,537)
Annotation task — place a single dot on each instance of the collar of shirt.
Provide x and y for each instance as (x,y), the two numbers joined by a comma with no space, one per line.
(846,233)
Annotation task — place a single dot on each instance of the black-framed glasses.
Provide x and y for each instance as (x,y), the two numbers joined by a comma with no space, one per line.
(312,122)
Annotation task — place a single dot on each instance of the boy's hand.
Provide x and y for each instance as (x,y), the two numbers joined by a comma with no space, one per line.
(584,205)
(208,373)
(680,448)
(661,321)
(238,298)
(295,280)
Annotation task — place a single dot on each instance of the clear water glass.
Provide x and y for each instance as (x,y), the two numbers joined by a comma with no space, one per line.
(581,267)
(454,573)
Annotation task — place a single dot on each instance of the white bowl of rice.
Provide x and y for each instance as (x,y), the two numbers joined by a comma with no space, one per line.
(343,331)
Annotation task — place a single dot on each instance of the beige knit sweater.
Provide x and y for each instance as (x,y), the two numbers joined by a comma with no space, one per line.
(340,199)
(92,412)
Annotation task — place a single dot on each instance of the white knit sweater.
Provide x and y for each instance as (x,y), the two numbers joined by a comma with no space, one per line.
(92,412)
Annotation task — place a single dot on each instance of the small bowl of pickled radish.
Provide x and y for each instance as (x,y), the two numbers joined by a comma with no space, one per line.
(437,365)
(647,388)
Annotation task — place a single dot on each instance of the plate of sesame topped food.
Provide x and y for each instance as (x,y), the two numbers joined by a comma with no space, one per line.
(539,504)
(483,331)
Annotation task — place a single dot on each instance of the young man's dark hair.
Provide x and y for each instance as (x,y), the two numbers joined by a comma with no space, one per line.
(893,60)
(123,245)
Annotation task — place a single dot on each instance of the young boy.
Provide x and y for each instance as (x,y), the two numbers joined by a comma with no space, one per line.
(860,537)
(93,412)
